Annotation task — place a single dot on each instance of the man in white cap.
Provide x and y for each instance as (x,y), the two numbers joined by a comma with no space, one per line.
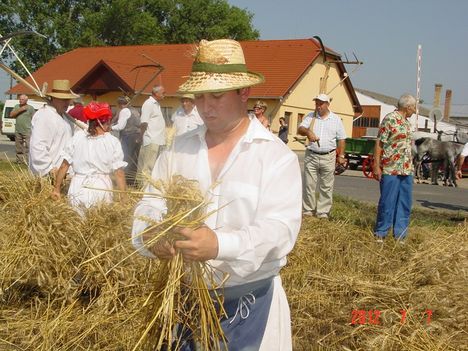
(255,199)
(186,117)
(323,128)
(51,130)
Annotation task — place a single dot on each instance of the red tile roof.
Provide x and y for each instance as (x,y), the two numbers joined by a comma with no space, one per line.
(282,62)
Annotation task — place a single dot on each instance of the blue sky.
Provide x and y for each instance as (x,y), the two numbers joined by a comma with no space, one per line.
(384,34)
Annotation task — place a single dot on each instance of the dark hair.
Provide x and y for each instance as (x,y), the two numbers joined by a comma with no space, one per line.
(92,125)
(282,118)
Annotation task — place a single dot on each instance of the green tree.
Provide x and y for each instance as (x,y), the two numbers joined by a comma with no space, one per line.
(69,24)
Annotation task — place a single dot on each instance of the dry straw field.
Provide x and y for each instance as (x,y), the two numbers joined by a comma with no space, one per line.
(73,284)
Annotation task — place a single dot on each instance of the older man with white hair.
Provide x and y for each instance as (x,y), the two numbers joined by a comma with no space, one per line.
(393,167)
(23,114)
(153,130)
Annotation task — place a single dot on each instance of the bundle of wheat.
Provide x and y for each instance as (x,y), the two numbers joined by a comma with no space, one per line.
(185,295)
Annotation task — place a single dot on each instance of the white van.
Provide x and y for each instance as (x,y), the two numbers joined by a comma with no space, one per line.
(8,124)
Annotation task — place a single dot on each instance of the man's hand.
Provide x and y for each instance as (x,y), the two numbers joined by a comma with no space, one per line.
(312,137)
(459,174)
(200,244)
(162,249)
(56,194)
(377,173)
(341,160)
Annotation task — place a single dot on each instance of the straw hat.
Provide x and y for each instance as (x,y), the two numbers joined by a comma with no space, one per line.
(61,90)
(97,110)
(187,96)
(219,65)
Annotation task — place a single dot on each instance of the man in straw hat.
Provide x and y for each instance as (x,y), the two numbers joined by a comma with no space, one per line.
(186,116)
(253,183)
(51,130)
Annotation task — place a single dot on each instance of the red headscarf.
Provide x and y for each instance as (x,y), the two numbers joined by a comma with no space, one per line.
(98,111)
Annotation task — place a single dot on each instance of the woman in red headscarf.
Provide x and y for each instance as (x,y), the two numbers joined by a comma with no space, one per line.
(94,156)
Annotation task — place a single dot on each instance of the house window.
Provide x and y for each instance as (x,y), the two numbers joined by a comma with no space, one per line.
(287,117)
(300,117)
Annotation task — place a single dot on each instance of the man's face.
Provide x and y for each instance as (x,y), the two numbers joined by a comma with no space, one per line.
(23,100)
(160,94)
(410,110)
(321,107)
(60,105)
(258,110)
(222,111)
(187,105)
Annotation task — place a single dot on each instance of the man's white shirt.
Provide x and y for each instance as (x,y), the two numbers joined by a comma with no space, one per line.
(256,200)
(49,135)
(185,122)
(156,131)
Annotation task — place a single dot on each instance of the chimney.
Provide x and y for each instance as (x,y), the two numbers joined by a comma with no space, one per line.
(437,91)
(448,104)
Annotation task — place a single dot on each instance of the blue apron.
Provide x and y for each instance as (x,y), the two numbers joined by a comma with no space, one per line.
(247,308)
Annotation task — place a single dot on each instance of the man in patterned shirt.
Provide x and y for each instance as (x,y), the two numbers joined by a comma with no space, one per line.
(393,167)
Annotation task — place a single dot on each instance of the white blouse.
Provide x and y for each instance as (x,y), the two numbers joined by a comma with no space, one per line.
(89,155)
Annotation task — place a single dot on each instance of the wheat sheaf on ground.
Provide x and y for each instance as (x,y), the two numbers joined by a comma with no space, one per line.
(73,284)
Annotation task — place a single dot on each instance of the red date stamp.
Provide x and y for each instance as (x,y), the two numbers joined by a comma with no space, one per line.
(372,317)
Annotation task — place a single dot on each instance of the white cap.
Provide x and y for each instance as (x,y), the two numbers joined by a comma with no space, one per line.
(322,97)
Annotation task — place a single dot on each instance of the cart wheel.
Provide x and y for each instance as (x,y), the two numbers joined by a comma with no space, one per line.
(367,167)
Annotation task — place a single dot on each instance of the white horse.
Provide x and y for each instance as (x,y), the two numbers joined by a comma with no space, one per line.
(440,152)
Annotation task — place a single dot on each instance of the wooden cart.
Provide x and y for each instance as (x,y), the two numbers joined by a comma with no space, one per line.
(360,152)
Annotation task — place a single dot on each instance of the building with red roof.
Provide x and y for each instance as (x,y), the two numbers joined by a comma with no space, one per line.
(294,72)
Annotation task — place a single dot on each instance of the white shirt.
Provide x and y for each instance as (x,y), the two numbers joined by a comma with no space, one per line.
(124,115)
(151,114)
(329,130)
(49,135)
(184,122)
(257,200)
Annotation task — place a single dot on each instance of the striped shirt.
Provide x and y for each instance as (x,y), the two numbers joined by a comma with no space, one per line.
(329,130)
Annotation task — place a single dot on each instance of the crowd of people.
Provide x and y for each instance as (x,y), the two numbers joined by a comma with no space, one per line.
(238,162)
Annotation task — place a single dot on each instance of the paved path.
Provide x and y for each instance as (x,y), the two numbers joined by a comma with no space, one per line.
(354,185)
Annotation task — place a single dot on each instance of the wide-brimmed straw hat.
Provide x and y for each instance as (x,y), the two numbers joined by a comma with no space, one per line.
(97,111)
(219,65)
(187,96)
(61,90)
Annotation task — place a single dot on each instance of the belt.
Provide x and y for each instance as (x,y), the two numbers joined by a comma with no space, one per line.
(322,153)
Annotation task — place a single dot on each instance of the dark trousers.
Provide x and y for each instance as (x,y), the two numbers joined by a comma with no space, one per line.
(131,150)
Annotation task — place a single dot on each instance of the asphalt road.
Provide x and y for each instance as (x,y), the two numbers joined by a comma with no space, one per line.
(355,186)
